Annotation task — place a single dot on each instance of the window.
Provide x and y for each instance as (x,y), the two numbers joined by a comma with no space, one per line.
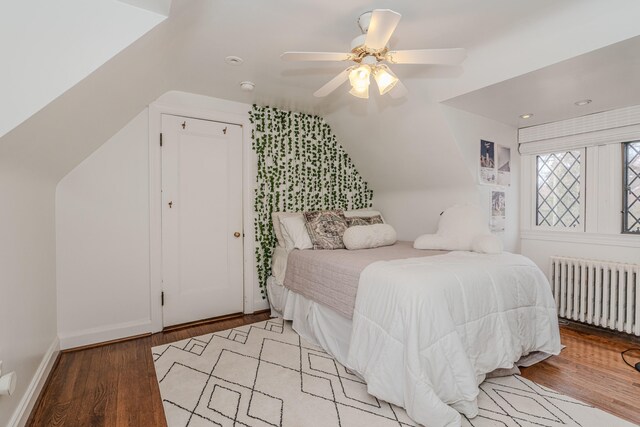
(558,201)
(631,188)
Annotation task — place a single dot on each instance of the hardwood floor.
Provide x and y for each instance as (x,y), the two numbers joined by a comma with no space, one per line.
(115,384)
(591,369)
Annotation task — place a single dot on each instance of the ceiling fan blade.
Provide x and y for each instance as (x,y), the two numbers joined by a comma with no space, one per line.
(427,56)
(333,84)
(315,56)
(383,23)
(398,91)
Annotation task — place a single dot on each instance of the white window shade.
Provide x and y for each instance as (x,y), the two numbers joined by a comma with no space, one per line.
(608,127)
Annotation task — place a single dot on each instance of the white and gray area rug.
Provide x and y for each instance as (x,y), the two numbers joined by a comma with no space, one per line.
(264,374)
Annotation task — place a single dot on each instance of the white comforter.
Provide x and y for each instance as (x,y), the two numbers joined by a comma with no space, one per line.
(427,330)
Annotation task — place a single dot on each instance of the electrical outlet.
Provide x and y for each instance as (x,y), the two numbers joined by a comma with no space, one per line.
(8,384)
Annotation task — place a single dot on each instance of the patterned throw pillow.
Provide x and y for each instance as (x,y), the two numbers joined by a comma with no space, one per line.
(326,228)
(364,220)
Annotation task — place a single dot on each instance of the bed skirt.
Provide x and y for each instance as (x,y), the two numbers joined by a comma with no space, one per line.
(323,326)
(316,323)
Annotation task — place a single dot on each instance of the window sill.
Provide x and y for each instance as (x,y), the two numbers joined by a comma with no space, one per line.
(626,240)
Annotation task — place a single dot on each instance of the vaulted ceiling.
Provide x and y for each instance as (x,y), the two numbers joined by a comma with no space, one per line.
(186,51)
(49,46)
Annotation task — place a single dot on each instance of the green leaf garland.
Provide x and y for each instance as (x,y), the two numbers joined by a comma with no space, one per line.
(301,167)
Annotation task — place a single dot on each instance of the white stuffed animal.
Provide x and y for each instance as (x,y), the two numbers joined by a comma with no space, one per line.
(461,228)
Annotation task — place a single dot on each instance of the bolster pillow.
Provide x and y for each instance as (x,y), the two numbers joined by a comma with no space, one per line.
(369,236)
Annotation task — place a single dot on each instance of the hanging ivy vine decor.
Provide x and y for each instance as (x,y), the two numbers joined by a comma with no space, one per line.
(301,167)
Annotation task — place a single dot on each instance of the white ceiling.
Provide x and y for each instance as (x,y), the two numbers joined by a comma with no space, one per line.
(609,76)
(504,39)
(185,52)
(261,32)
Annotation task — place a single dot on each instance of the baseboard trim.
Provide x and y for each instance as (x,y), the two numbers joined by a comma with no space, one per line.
(202,322)
(103,343)
(28,401)
(210,320)
(601,331)
(103,334)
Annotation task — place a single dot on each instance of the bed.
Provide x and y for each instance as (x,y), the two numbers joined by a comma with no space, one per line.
(423,328)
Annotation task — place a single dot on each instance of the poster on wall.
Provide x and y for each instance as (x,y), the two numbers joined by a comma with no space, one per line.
(487,162)
(498,210)
(504,165)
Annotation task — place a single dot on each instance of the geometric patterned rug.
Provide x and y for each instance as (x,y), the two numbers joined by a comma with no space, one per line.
(264,374)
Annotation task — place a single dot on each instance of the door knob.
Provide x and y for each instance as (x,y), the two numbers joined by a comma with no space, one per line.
(236,234)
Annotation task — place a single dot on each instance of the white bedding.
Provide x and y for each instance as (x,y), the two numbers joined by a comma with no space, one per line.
(279,263)
(427,330)
(275,290)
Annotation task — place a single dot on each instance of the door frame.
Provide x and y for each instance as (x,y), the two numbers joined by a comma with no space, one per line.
(156,110)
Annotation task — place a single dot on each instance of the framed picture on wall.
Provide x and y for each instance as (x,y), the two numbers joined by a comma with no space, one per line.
(498,210)
(487,162)
(503,165)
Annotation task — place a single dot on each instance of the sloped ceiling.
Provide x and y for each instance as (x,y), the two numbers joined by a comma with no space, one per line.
(49,46)
(504,38)
(609,77)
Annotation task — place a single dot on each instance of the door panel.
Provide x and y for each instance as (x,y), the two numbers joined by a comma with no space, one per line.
(202,209)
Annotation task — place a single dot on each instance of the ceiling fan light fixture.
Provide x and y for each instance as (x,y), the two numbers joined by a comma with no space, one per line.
(385,79)
(360,93)
(359,79)
(369,50)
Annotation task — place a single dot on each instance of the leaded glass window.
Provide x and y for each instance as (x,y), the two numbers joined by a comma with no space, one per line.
(631,195)
(558,199)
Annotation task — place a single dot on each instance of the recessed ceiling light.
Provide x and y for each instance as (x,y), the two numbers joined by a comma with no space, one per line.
(526,116)
(582,102)
(233,60)
(247,86)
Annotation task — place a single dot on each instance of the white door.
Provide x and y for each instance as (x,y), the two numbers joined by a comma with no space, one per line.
(202,255)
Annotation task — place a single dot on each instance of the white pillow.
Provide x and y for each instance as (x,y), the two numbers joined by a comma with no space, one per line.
(365,213)
(294,232)
(457,228)
(369,236)
(486,244)
(276,218)
(435,241)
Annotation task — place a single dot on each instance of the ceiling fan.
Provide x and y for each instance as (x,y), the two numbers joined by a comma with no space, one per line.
(370,53)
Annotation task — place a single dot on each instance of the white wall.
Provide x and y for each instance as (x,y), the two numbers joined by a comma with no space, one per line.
(27,285)
(468,129)
(421,157)
(104,245)
(102,241)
